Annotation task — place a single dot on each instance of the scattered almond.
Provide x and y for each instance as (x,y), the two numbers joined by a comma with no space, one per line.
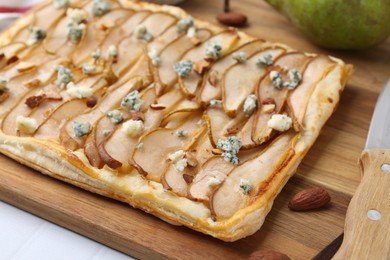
(188,178)
(268,108)
(32,83)
(213,78)
(201,66)
(268,255)
(25,66)
(195,41)
(191,159)
(216,151)
(308,199)
(12,60)
(35,101)
(157,106)
(92,101)
(232,131)
(3,95)
(235,19)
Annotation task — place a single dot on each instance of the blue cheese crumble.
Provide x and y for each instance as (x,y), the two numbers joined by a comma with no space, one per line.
(75,32)
(213,50)
(96,54)
(245,186)
(155,58)
(264,61)
(100,7)
(276,78)
(3,84)
(140,146)
(88,69)
(132,101)
(116,116)
(64,76)
(295,78)
(178,160)
(250,104)
(141,33)
(215,103)
(231,146)
(81,128)
(181,133)
(58,4)
(240,57)
(183,68)
(280,122)
(112,52)
(36,35)
(184,24)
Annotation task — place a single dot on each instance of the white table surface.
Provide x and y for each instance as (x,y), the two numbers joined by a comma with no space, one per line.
(25,236)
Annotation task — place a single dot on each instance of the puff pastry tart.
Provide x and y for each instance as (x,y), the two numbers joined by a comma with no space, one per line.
(198,125)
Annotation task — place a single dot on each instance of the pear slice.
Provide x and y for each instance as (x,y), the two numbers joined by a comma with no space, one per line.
(316,70)
(240,80)
(228,40)
(129,51)
(159,42)
(218,123)
(109,102)
(246,133)
(124,30)
(261,132)
(159,143)
(95,35)
(171,54)
(50,129)
(95,138)
(157,23)
(229,197)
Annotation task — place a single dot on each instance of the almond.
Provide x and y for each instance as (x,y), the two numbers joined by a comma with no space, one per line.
(201,66)
(157,106)
(232,19)
(268,255)
(213,78)
(3,95)
(216,151)
(92,101)
(308,199)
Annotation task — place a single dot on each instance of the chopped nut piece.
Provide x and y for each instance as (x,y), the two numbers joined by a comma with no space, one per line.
(32,83)
(3,95)
(269,108)
(92,101)
(213,78)
(183,68)
(201,66)
(195,41)
(35,101)
(25,66)
(191,159)
(188,178)
(12,60)
(232,131)
(157,106)
(216,151)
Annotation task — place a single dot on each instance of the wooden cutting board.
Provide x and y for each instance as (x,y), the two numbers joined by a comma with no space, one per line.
(332,163)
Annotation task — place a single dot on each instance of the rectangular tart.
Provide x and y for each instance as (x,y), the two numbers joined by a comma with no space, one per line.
(198,125)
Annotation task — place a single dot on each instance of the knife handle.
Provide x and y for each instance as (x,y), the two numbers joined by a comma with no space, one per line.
(367,224)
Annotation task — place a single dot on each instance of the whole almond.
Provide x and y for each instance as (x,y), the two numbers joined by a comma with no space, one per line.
(268,255)
(308,199)
(232,19)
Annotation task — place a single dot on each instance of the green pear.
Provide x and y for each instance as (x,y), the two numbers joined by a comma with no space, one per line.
(339,24)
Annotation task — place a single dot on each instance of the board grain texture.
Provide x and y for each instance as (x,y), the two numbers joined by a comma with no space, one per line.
(331,163)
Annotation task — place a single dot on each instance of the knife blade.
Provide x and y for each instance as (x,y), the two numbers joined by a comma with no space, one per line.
(367,224)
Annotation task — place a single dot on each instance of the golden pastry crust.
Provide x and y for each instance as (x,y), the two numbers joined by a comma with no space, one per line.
(55,160)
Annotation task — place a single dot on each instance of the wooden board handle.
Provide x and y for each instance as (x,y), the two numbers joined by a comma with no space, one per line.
(367,224)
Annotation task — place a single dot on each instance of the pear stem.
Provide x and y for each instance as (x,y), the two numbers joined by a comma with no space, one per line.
(226,7)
